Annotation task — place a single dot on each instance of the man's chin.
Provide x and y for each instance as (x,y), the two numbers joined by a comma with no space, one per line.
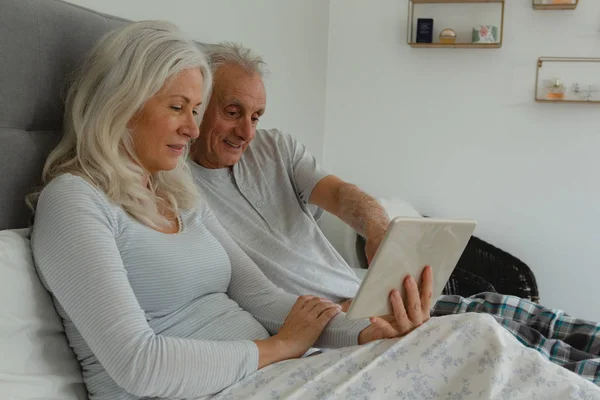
(230,162)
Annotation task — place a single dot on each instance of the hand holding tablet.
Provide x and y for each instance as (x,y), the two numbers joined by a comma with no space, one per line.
(407,315)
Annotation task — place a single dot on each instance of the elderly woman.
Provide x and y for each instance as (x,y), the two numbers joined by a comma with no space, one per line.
(157,301)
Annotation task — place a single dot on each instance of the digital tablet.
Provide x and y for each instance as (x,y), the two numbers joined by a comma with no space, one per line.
(410,244)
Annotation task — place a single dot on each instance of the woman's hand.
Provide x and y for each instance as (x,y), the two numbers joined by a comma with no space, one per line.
(307,319)
(406,317)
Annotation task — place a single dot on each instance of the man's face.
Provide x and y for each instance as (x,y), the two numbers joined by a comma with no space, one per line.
(229,123)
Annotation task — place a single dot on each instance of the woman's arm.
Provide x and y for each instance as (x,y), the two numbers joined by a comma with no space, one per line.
(270,305)
(74,246)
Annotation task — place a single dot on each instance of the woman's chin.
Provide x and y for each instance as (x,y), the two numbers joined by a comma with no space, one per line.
(166,167)
(170,167)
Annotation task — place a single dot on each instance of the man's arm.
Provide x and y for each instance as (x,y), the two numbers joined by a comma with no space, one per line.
(353,206)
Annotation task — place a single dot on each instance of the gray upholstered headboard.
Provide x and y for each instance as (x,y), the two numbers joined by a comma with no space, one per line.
(40,42)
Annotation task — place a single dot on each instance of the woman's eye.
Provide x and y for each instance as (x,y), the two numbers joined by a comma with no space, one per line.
(176,108)
(255,119)
(195,112)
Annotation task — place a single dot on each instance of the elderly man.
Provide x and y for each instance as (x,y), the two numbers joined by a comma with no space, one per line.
(267,190)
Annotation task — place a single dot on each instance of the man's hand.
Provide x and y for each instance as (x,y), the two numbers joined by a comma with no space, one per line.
(405,318)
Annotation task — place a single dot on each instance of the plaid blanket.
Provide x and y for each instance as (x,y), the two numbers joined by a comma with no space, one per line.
(570,342)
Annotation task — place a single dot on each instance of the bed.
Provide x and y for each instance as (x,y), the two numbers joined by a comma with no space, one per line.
(40,42)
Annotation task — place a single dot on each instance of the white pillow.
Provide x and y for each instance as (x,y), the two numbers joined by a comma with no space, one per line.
(396,207)
(36,361)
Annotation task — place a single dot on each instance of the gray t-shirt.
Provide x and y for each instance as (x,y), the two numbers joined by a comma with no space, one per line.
(262,203)
(156,315)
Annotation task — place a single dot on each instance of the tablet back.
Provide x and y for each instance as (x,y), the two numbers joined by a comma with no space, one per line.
(409,245)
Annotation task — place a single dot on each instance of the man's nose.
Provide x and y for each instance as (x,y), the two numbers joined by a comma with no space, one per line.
(246,130)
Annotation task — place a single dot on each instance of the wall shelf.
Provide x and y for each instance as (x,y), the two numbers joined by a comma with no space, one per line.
(558,6)
(458,45)
(455,1)
(567,101)
(587,93)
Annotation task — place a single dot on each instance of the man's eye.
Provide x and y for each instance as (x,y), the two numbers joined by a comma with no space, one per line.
(254,119)
(231,113)
(195,112)
(176,108)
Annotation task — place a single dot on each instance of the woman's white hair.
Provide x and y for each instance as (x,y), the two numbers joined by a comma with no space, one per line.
(124,70)
(231,53)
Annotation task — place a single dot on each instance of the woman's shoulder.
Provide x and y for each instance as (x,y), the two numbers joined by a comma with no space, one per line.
(69,190)
(71,202)
(70,186)
(68,180)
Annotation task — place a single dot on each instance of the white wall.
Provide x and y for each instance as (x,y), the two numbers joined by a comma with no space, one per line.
(456,132)
(290,35)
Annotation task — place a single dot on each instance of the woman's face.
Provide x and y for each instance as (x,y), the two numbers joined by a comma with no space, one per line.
(163,128)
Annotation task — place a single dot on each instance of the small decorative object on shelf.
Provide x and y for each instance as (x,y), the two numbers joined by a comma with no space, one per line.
(585,94)
(554,4)
(424,30)
(555,90)
(485,34)
(447,36)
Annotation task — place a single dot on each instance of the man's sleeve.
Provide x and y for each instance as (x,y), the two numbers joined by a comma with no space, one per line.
(306,172)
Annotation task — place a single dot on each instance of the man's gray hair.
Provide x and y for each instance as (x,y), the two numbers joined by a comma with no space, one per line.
(231,53)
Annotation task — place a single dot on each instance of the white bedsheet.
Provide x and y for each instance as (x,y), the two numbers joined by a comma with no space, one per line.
(458,357)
